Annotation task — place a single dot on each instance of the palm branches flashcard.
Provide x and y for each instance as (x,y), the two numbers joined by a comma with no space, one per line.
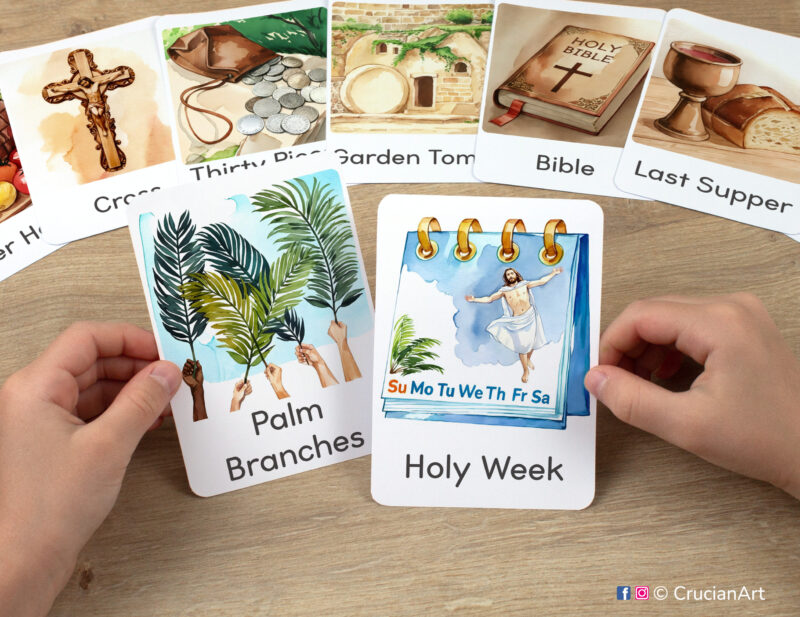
(257,289)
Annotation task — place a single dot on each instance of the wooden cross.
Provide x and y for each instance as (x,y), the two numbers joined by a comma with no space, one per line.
(89,85)
(570,72)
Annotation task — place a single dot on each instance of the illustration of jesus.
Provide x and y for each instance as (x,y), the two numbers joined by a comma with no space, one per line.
(520,328)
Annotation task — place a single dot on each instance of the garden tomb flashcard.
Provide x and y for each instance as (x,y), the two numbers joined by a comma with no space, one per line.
(89,120)
(718,129)
(562,87)
(488,320)
(406,84)
(256,288)
(248,86)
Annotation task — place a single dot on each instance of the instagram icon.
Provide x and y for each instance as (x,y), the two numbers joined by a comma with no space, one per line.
(642,593)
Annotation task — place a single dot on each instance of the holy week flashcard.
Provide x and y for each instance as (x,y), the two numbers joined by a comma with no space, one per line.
(21,241)
(89,119)
(488,320)
(406,84)
(562,87)
(247,86)
(718,129)
(256,287)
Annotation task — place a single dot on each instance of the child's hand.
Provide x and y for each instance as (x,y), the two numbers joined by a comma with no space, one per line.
(60,474)
(742,412)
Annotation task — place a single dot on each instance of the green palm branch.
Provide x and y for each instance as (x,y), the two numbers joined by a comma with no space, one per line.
(409,354)
(313,217)
(284,285)
(177,257)
(290,328)
(230,253)
(235,314)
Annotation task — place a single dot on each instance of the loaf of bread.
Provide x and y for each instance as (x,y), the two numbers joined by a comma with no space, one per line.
(755,117)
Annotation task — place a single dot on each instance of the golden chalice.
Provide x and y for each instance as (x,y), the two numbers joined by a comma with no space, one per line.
(699,71)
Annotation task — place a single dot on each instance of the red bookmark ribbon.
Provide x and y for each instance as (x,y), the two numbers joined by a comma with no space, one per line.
(513,112)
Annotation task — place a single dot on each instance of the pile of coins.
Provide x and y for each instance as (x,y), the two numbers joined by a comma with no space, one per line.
(281,89)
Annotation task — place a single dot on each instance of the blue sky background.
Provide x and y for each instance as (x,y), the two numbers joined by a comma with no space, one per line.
(217,364)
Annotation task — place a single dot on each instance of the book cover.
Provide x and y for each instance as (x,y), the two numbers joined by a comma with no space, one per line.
(580,69)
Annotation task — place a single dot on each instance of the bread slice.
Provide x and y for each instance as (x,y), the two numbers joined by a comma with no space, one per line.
(757,117)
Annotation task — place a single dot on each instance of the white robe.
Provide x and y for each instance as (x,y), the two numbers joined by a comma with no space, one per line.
(520,333)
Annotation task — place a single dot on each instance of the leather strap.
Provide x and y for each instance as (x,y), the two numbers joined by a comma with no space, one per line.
(184,98)
(513,112)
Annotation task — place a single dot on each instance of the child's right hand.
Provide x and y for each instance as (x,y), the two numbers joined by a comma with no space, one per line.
(742,412)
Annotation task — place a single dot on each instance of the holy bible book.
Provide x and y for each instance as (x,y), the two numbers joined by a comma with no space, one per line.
(579,79)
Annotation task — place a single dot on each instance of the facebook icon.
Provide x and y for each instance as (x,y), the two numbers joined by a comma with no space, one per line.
(623,592)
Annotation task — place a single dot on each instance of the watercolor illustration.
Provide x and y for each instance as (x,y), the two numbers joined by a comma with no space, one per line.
(248,85)
(566,76)
(717,100)
(260,290)
(14,193)
(510,313)
(408,68)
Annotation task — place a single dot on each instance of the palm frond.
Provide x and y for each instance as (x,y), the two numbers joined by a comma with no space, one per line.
(411,355)
(230,253)
(176,257)
(290,328)
(314,218)
(288,279)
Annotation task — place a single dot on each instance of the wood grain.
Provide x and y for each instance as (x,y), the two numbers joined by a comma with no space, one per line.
(316,543)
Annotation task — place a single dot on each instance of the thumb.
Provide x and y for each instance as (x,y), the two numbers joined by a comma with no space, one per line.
(637,401)
(139,404)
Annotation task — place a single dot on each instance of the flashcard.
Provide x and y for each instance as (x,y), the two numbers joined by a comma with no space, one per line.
(256,288)
(718,129)
(563,84)
(248,86)
(21,241)
(488,320)
(406,84)
(89,121)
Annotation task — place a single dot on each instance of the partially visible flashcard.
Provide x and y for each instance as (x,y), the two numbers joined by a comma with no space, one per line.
(90,123)
(718,129)
(488,319)
(256,288)
(248,86)
(406,84)
(563,83)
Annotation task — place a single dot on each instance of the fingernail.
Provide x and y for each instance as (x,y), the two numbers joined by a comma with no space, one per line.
(594,381)
(167,375)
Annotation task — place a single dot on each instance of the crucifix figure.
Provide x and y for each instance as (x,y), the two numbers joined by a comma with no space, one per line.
(570,72)
(89,85)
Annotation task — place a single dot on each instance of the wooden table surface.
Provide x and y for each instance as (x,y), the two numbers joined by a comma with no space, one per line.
(316,543)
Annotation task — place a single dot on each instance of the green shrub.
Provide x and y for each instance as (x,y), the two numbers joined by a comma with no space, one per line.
(487,17)
(460,16)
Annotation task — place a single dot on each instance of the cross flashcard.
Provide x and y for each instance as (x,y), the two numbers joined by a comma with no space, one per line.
(718,129)
(488,321)
(256,288)
(89,121)
(563,83)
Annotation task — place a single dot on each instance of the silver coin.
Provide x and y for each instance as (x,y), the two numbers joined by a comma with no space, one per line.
(318,75)
(272,78)
(250,102)
(274,60)
(298,80)
(289,72)
(291,100)
(250,80)
(307,112)
(263,88)
(266,107)
(281,92)
(250,124)
(291,62)
(274,123)
(306,93)
(276,69)
(318,95)
(295,125)
(260,70)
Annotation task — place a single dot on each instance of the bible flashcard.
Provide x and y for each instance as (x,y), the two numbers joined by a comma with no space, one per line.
(21,241)
(718,129)
(89,119)
(406,84)
(248,86)
(256,288)
(562,87)
(488,320)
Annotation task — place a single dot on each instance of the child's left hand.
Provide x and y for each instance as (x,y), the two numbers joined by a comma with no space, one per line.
(69,423)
